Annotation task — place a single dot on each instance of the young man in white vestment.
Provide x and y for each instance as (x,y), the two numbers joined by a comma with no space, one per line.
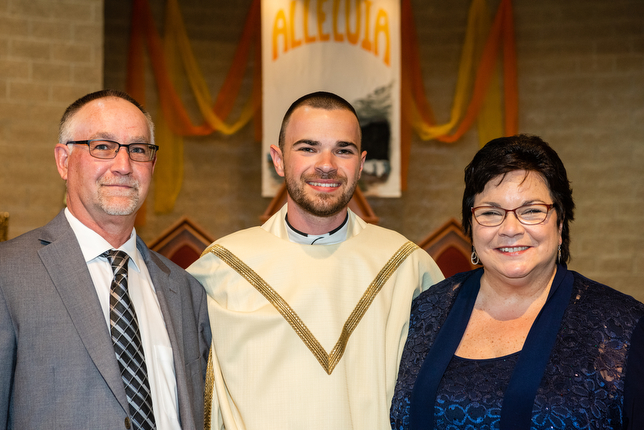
(310,311)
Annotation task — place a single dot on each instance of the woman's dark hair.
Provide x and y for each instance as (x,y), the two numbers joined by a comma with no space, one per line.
(521,152)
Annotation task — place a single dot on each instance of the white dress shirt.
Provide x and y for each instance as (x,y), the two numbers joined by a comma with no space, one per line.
(154,336)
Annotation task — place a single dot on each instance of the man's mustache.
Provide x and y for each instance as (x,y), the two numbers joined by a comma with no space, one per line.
(128,182)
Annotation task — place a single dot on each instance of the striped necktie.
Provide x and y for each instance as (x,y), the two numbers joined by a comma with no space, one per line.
(126,338)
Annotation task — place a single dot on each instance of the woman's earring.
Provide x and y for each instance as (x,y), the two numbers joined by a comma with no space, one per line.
(559,255)
(474,259)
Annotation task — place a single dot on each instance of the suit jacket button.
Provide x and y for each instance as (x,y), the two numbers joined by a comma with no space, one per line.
(127,423)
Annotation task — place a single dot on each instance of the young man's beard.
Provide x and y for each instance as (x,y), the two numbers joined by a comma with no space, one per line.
(322,204)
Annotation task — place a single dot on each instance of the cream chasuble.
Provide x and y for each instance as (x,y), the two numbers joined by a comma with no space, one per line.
(314,303)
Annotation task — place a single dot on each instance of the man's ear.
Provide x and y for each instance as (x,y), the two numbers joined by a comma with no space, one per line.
(363,157)
(62,153)
(278,160)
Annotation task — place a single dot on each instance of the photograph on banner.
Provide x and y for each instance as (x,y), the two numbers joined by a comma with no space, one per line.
(347,47)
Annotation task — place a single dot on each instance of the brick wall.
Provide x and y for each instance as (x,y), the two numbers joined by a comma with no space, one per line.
(51,53)
(581,68)
(581,75)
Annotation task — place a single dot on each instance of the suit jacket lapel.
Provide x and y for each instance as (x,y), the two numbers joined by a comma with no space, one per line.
(171,308)
(167,293)
(63,259)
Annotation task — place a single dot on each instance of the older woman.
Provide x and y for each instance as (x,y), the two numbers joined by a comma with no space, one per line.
(522,343)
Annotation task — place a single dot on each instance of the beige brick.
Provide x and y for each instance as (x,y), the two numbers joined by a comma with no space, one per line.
(624,245)
(87,75)
(98,12)
(48,72)
(89,33)
(629,63)
(75,53)
(14,69)
(589,246)
(554,66)
(43,155)
(43,195)
(15,109)
(66,94)
(35,133)
(638,44)
(26,91)
(46,113)
(27,125)
(12,26)
(580,75)
(31,8)
(639,263)
(615,265)
(36,217)
(14,158)
(77,11)
(4,47)
(637,117)
(30,49)
(53,31)
(613,46)
(597,64)
(39,47)
(630,207)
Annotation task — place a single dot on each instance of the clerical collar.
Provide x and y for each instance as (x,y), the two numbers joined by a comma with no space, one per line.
(336,235)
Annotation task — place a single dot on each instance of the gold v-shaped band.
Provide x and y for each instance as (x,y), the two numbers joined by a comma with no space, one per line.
(208,393)
(328,361)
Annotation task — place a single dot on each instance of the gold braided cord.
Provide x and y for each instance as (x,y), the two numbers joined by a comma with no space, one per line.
(367,298)
(327,361)
(275,299)
(210,387)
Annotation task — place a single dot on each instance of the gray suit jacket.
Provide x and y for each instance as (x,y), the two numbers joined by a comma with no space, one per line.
(57,364)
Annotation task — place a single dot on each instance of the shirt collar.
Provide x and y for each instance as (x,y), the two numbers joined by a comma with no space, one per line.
(336,235)
(93,244)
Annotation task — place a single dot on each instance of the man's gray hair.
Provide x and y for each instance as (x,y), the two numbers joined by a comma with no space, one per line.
(66,122)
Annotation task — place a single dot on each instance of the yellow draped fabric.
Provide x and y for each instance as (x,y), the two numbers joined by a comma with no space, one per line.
(173,123)
(477,95)
(475,35)
(484,97)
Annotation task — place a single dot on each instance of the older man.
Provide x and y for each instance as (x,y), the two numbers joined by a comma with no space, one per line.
(309,312)
(96,330)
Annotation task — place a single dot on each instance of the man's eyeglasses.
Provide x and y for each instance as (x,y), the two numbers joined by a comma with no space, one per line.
(491,216)
(108,149)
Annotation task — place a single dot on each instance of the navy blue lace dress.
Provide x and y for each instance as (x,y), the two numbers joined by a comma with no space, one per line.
(588,375)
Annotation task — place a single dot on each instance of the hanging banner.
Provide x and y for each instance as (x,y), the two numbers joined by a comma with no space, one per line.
(350,48)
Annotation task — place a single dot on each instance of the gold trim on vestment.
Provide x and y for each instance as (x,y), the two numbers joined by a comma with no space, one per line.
(328,361)
(207,398)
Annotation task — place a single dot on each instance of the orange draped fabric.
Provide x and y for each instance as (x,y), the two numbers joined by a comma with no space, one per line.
(143,32)
(416,109)
(174,122)
(502,32)
(413,93)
